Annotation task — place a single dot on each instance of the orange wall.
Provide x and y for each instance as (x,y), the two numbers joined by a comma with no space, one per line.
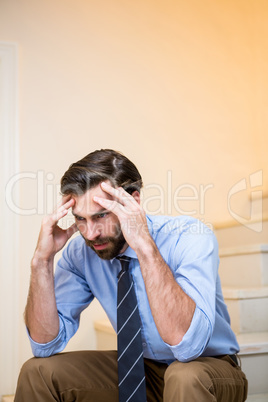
(179,87)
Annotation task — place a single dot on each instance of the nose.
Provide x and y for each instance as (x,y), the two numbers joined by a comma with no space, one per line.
(90,230)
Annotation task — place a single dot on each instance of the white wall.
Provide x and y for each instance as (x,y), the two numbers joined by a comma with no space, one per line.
(9,236)
(179,87)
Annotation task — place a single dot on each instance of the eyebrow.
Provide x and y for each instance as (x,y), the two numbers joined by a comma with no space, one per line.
(101,211)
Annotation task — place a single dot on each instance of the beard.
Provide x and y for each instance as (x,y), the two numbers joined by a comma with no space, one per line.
(115,245)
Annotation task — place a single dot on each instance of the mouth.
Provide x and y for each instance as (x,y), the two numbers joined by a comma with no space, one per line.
(101,246)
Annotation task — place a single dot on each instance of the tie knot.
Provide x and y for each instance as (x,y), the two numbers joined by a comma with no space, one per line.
(124,260)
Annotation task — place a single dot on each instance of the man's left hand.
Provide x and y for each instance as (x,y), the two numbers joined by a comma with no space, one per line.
(131,215)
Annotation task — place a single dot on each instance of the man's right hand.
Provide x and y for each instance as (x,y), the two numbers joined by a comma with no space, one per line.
(51,237)
(41,315)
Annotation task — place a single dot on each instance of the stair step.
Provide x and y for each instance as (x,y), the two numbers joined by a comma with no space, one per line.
(244,266)
(248,308)
(7,398)
(253,343)
(105,335)
(250,343)
(230,235)
(254,361)
(257,398)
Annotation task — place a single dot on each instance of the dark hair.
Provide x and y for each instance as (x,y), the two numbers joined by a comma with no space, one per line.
(98,166)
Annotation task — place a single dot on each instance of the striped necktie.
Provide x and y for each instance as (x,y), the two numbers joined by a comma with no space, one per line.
(131,376)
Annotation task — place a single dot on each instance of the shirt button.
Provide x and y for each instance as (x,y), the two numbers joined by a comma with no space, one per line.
(144,344)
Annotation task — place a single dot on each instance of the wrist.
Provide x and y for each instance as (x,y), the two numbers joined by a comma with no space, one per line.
(41,261)
(147,250)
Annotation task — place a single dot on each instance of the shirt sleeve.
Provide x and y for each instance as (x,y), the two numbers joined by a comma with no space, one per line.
(49,348)
(195,268)
(73,295)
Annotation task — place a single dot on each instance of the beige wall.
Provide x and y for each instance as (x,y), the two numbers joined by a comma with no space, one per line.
(179,87)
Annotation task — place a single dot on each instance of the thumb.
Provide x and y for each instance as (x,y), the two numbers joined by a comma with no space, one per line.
(71,230)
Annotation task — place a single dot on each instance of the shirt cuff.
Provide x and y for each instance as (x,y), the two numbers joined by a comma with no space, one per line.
(50,348)
(195,340)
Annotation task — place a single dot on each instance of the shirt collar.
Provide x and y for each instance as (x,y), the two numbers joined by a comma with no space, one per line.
(130,253)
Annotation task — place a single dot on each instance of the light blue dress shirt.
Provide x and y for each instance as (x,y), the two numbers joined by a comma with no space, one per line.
(190,249)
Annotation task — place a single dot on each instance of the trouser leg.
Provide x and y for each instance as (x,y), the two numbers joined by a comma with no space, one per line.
(205,379)
(154,373)
(73,376)
(92,376)
(81,376)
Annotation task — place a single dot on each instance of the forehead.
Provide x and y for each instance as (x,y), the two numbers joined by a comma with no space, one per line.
(85,205)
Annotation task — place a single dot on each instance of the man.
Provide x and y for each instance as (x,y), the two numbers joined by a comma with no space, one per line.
(188,348)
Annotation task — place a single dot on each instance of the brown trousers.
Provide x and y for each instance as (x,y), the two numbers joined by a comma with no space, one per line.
(92,376)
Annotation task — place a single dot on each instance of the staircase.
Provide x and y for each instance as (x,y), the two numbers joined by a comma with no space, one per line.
(244,276)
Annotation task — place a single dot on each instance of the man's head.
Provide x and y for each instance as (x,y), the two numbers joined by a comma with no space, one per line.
(99,166)
(100,228)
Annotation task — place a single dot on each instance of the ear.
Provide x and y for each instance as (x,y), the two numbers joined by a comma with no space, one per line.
(136,195)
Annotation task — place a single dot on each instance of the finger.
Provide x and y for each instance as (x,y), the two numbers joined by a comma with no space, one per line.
(63,200)
(54,218)
(110,205)
(121,211)
(119,193)
(68,204)
(71,230)
(66,198)
(62,211)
